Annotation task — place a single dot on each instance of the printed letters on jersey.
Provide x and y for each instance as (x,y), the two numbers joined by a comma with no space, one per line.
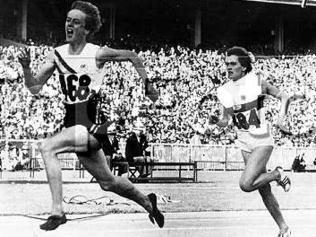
(244,99)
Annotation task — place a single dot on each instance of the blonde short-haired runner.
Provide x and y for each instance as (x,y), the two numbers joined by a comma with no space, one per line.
(78,64)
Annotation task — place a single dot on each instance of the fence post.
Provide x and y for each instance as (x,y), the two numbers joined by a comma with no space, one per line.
(171,153)
(225,152)
(151,151)
(190,158)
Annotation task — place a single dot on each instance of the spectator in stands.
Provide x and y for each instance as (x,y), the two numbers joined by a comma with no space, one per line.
(14,158)
(110,145)
(24,158)
(302,167)
(296,164)
(195,73)
(196,139)
(112,151)
(4,156)
(137,149)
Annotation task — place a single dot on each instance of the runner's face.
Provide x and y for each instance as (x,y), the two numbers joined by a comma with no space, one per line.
(75,26)
(235,70)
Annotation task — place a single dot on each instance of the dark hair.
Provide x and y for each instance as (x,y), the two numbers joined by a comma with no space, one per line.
(243,56)
(93,19)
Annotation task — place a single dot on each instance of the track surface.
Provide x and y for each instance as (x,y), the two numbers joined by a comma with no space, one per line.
(214,208)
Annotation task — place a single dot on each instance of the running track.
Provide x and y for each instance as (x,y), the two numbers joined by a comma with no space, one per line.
(197,224)
(233,213)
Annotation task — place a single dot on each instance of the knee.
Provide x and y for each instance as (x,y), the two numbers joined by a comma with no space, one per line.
(108,184)
(44,147)
(245,186)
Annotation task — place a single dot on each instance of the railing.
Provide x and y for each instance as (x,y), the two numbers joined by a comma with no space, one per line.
(209,157)
(228,157)
(68,160)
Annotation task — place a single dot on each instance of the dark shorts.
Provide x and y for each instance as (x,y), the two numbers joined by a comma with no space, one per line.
(84,114)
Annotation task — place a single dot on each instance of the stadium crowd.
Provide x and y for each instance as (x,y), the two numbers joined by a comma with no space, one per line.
(184,77)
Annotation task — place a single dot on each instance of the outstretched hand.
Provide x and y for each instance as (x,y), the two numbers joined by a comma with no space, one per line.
(298,97)
(25,58)
(150,92)
(283,129)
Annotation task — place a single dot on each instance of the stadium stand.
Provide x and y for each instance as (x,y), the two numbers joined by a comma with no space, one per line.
(183,76)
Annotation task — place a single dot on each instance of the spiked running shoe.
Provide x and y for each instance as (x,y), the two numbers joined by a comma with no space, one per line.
(156,214)
(285,233)
(53,222)
(284,181)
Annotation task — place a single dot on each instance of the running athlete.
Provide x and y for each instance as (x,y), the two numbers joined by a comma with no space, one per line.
(79,64)
(242,99)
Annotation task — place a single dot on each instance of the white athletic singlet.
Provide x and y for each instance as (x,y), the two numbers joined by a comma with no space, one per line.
(244,99)
(80,81)
(78,74)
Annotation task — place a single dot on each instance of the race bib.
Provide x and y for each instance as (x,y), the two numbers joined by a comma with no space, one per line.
(75,87)
(247,120)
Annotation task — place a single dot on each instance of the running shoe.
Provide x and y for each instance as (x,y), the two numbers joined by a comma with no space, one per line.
(284,181)
(156,214)
(285,233)
(53,222)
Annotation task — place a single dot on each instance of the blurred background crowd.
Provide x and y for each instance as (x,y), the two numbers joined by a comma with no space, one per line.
(184,78)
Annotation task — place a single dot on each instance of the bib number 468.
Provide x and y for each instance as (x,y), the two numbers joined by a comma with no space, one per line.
(240,120)
(75,87)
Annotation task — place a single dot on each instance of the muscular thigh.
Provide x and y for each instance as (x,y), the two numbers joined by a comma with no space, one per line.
(256,161)
(96,164)
(71,139)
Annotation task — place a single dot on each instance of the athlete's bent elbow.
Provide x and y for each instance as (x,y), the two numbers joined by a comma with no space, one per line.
(132,55)
(222,123)
(34,89)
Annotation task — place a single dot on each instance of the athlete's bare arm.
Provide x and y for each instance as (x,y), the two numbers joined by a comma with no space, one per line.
(269,89)
(35,83)
(106,54)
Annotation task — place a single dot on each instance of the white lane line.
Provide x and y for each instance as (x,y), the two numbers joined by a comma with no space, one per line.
(203,228)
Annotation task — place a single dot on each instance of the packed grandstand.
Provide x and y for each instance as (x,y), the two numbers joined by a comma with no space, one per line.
(183,78)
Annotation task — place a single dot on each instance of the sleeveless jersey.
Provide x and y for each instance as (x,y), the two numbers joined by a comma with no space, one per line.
(244,100)
(79,76)
(80,81)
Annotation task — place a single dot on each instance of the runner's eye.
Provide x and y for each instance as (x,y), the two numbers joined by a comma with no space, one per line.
(230,63)
(77,22)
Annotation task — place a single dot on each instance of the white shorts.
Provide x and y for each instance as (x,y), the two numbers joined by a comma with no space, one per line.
(248,142)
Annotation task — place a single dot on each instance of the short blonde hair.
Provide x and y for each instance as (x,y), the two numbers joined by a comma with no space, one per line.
(93,19)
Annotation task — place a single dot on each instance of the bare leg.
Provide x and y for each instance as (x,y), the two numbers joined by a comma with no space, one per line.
(77,139)
(69,140)
(255,176)
(54,177)
(94,161)
(272,205)
(96,165)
